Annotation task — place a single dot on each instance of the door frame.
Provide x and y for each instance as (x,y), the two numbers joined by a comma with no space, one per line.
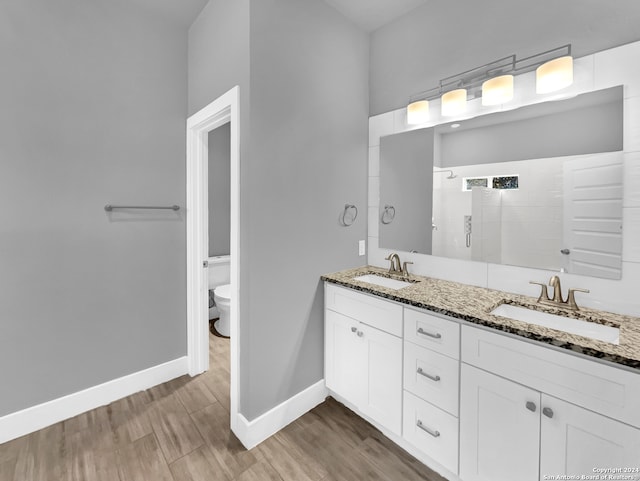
(222,110)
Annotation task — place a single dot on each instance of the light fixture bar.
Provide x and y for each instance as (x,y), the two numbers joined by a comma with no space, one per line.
(472,79)
(475,76)
(528,64)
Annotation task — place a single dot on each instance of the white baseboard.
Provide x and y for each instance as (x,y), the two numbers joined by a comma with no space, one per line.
(252,433)
(37,417)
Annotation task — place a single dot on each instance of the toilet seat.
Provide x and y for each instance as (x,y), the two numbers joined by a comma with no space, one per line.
(223,292)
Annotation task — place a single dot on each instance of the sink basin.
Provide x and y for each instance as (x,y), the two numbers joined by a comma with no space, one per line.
(592,330)
(383,281)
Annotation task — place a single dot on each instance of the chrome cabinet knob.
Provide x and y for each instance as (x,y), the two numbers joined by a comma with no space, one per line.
(531,406)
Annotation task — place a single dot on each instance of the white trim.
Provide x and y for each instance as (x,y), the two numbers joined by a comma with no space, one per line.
(37,417)
(222,110)
(252,433)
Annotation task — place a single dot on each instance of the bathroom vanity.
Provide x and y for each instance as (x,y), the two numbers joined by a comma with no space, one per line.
(477,396)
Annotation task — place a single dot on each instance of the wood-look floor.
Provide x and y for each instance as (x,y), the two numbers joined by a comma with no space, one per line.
(179,431)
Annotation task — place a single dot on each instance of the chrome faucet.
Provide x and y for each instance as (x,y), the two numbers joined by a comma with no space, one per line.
(557,289)
(405,269)
(395,263)
(557,300)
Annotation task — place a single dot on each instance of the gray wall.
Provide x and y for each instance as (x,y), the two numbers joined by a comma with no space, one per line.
(220,190)
(406,183)
(93,111)
(584,130)
(303,156)
(308,157)
(219,54)
(413,53)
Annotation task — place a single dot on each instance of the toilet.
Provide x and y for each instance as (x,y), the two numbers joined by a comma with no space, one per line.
(222,297)
(219,282)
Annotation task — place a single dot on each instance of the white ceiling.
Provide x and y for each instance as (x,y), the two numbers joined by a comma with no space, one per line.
(372,14)
(367,14)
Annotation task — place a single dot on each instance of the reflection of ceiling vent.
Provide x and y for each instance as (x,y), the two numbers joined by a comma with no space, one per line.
(491,182)
(469,182)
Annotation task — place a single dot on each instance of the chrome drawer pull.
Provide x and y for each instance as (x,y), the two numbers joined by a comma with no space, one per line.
(435,434)
(437,335)
(547,412)
(427,375)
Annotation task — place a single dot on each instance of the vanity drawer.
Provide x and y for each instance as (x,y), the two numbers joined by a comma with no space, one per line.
(605,389)
(431,376)
(431,430)
(378,313)
(432,332)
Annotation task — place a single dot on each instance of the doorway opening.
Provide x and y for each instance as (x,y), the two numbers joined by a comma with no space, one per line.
(223,110)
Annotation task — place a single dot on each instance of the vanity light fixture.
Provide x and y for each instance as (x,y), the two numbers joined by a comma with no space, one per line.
(418,112)
(454,102)
(497,90)
(494,81)
(554,75)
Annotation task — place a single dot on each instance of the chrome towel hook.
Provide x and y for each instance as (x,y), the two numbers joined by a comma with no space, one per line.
(388,214)
(347,208)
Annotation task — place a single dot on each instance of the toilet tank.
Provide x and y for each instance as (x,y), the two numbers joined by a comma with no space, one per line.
(219,271)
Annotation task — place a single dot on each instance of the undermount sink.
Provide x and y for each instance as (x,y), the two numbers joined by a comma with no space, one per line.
(593,330)
(383,281)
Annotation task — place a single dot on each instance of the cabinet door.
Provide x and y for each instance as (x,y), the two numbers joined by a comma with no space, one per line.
(575,441)
(345,357)
(499,428)
(383,394)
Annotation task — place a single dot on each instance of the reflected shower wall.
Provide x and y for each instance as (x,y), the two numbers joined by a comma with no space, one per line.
(503,220)
(547,206)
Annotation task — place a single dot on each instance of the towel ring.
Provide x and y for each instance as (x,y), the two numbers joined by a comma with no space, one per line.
(347,208)
(388,214)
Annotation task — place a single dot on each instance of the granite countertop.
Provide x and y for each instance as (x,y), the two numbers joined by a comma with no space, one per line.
(473,304)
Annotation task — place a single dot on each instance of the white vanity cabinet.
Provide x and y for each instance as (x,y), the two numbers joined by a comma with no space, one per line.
(431,381)
(363,354)
(476,404)
(513,425)
(575,440)
(499,428)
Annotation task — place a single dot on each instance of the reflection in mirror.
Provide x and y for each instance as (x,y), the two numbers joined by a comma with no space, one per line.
(539,186)
(405,220)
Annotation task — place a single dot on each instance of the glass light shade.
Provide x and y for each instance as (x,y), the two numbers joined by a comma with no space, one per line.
(418,112)
(498,90)
(454,102)
(554,75)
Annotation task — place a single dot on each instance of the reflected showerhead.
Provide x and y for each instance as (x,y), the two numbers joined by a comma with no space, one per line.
(450,176)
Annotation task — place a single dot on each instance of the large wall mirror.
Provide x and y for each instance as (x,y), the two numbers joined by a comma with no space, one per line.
(539,186)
